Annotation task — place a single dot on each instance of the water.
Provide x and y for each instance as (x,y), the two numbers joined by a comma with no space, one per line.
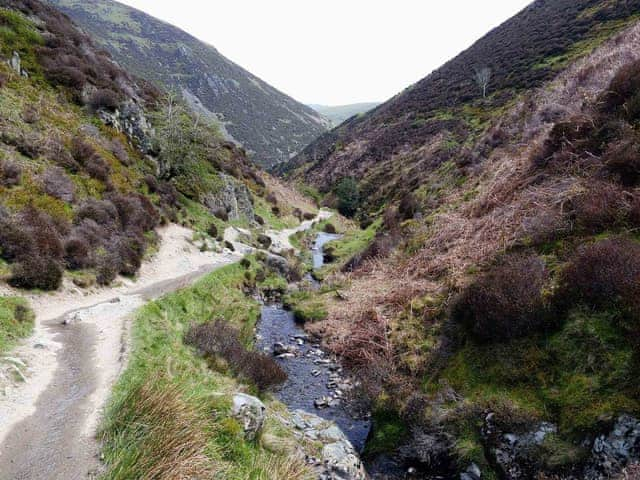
(311,370)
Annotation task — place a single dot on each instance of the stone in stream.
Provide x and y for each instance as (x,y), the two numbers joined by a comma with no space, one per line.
(280,349)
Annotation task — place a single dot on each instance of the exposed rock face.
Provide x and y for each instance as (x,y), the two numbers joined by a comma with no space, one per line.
(15,62)
(234,198)
(131,120)
(250,412)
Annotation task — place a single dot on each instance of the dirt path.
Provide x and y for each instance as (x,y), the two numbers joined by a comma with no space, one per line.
(280,238)
(47,422)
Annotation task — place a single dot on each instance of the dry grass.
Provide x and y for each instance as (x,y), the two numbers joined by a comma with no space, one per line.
(170,435)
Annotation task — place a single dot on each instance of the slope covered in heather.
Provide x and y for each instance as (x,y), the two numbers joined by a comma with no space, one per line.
(270,125)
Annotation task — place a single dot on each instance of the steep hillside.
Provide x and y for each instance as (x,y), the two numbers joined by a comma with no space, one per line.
(391,149)
(490,306)
(270,125)
(93,159)
(340,113)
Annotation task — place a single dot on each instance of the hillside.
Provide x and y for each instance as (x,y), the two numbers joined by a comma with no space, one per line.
(489,301)
(339,113)
(93,159)
(391,149)
(270,125)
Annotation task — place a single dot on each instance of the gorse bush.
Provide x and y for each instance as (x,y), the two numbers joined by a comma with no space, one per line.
(506,302)
(218,338)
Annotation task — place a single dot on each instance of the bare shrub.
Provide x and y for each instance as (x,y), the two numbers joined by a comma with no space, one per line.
(35,271)
(82,150)
(57,184)
(43,230)
(218,338)
(408,207)
(506,302)
(98,168)
(15,240)
(120,152)
(623,161)
(102,212)
(107,268)
(603,274)
(10,173)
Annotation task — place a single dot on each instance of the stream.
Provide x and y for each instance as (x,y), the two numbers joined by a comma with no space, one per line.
(315,382)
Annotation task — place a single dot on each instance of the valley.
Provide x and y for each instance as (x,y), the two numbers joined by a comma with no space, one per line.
(202,278)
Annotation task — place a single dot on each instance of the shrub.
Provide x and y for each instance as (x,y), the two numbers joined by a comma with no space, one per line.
(408,207)
(228,245)
(623,87)
(129,252)
(297,213)
(272,199)
(213,230)
(107,268)
(245,263)
(348,196)
(264,241)
(218,338)
(35,271)
(308,216)
(152,183)
(81,150)
(623,161)
(15,240)
(506,302)
(259,220)
(43,231)
(601,275)
(276,211)
(104,99)
(58,185)
(102,212)
(120,152)
(30,115)
(330,228)
(601,208)
(221,214)
(98,168)
(3,79)
(10,173)
(76,253)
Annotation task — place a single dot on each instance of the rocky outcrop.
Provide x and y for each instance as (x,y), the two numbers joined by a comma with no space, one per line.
(611,453)
(233,197)
(15,62)
(130,119)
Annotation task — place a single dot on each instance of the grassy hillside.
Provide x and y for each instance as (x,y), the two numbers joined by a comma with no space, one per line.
(269,124)
(498,289)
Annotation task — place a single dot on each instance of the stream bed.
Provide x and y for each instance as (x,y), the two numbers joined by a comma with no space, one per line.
(315,381)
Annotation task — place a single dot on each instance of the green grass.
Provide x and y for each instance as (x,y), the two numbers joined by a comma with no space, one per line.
(16,321)
(263,208)
(307,306)
(343,249)
(580,378)
(143,420)
(389,431)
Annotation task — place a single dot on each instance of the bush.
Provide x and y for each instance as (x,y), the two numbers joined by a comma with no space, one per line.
(120,152)
(506,302)
(330,228)
(605,274)
(30,115)
(259,220)
(276,211)
(107,269)
(102,212)
(3,79)
(15,240)
(264,241)
(57,184)
(104,99)
(601,208)
(35,271)
(623,161)
(98,168)
(408,207)
(81,150)
(44,232)
(221,214)
(76,253)
(348,196)
(10,173)
(212,231)
(218,338)
(308,216)
(272,199)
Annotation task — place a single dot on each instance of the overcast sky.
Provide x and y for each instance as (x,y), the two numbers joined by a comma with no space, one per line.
(336,52)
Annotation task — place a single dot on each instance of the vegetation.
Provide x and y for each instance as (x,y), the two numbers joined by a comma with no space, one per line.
(160,423)
(16,321)
(307,306)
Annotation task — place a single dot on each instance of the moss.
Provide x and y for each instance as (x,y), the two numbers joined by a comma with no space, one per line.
(16,321)
(387,433)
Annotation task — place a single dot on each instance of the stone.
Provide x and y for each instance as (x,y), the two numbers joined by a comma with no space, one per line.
(233,197)
(282,349)
(250,412)
(611,452)
(342,462)
(16,63)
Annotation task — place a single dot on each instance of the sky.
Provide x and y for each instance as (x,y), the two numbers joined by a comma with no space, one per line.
(336,52)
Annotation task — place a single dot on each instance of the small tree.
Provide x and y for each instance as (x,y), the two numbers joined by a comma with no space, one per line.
(483,77)
(348,196)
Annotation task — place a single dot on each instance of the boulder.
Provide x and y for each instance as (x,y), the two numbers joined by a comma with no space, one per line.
(250,412)
(614,451)
(342,462)
(233,198)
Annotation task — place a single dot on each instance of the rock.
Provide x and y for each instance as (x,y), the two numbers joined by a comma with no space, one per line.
(332,434)
(611,453)
(16,63)
(250,412)
(342,462)
(130,119)
(233,197)
(282,349)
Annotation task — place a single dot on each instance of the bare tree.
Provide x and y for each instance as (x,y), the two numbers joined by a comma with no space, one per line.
(483,77)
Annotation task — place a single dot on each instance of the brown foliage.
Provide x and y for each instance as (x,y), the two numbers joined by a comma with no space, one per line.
(506,302)
(602,207)
(105,99)
(218,338)
(36,271)
(57,184)
(76,253)
(603,274)
(221,214)
(10,173)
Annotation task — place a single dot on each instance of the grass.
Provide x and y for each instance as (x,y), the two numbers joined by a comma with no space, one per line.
(16,321)
(580,378)
(389,431)
(169,414)
(263,209)
(307,306)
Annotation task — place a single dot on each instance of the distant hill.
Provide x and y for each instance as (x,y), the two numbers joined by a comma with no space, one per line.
(340,113)
(269,124)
